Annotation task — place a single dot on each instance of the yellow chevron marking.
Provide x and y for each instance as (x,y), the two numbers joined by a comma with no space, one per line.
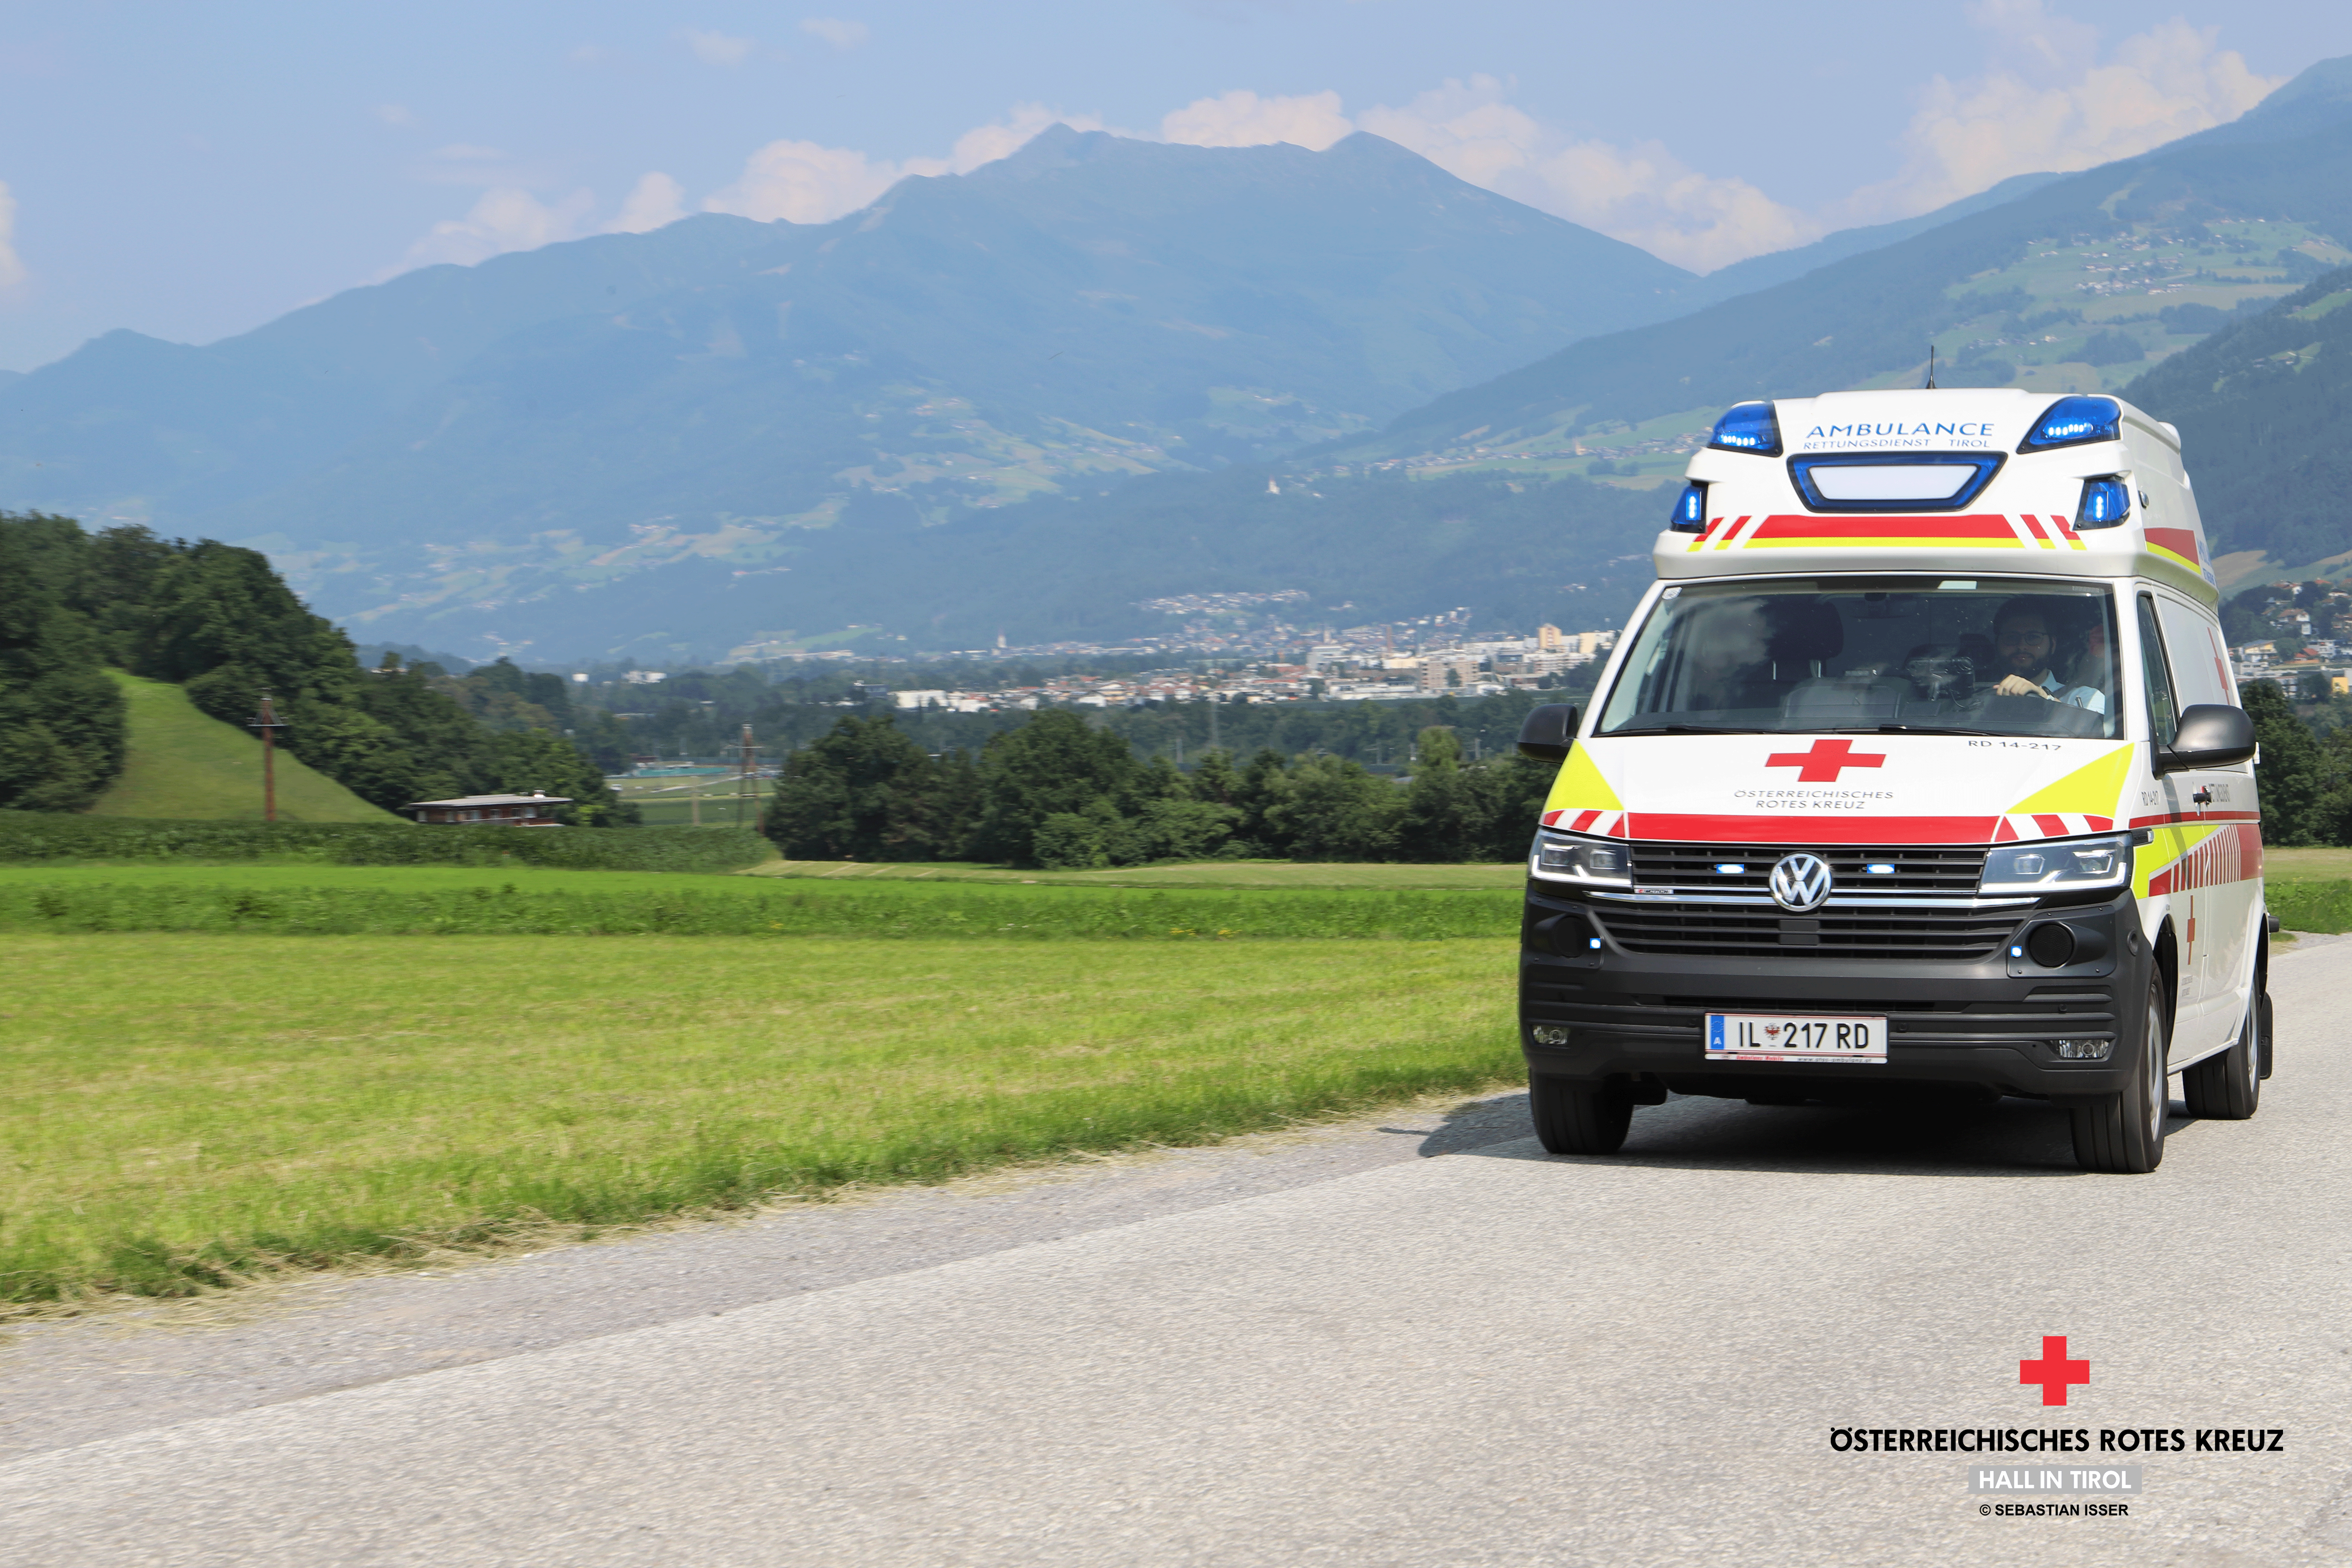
(2093,789)
(1581,787)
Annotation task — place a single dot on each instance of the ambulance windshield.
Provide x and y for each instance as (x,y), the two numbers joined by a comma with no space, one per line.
(1979,657)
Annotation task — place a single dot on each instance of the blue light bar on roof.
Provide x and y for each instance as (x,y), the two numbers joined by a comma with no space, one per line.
(1748,428)
(2073,422)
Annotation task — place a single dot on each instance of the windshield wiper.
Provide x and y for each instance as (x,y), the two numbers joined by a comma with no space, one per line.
(1685,729)
(1928,730)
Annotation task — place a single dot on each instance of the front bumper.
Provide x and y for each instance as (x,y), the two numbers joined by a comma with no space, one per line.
(1636,1019)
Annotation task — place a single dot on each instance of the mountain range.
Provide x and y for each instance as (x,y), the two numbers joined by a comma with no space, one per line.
(1026,400)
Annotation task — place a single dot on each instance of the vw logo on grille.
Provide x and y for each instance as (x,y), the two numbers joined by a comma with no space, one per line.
(1801,882)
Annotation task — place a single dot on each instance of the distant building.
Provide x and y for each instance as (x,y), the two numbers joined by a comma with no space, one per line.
(489,810)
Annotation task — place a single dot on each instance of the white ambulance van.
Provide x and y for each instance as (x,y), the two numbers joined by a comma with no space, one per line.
(1919,770)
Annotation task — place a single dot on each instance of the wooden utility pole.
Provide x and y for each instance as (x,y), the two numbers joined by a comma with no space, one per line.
(746,783)
(268,723)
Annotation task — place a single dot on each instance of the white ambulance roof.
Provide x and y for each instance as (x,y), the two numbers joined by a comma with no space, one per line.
(2011,512)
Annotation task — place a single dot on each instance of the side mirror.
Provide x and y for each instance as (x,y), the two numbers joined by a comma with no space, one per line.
(2211,735)
(1550,731)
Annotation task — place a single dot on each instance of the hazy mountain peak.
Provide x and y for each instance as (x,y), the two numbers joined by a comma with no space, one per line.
(2318,97)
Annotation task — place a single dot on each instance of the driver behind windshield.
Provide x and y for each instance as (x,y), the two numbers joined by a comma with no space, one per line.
(2025,645)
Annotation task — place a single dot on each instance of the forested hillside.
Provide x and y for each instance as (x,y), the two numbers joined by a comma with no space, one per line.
(2060,289)
(2265,408)
(220,623)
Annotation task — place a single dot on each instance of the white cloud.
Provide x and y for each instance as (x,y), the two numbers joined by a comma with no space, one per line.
(2054,104)
(803,181)
(718,49)
(841,34)
(1643,194)
(505,218)
(1244,119)
(655,200)
(12,265)
(807,182)
(392,114)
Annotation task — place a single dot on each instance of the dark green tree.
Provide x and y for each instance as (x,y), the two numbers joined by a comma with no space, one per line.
(1056,764)
(866,792)
(1446,817)
(62,729)
(1331,809)
(2294,774)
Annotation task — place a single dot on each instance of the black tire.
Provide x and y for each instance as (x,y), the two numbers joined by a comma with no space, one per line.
(2122,1134)
(1572,1119)
(2263,1015)
(2228,1087)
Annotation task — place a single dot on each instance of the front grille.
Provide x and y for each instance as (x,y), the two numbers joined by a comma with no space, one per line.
(1734,930)
(1547,997)
(1693,866)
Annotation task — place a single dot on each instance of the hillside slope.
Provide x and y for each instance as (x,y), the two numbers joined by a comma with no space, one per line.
(2072,284)
(185,765)
(1090,307)
(2264,409)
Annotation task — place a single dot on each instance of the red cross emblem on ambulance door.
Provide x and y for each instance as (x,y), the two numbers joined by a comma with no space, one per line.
(1823,763)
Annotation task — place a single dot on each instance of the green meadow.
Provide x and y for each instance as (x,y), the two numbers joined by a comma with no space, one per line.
(184,763)
(448,901)
(186,1110)
(211,1073)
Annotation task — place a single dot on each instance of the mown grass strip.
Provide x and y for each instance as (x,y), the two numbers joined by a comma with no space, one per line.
(757,909)
(2311,905)
(183,1111)
(28,836)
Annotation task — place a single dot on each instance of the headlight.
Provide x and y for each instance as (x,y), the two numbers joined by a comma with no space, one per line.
(1557,858)
(2059,866)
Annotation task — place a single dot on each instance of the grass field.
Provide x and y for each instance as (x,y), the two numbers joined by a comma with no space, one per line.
(385,900)
(186,764)
(180,1110)
(1199,874)
(2319,865)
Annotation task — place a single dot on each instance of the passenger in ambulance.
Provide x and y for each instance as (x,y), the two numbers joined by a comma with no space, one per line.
(1729,641)
(2094,666)
(2025,642)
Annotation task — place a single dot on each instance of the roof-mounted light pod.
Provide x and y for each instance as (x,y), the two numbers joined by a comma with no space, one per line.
(1748,428)
(1690,509)
(2074,422)
(2106,504)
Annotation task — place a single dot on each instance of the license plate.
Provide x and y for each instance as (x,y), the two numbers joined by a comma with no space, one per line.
(1779,1037)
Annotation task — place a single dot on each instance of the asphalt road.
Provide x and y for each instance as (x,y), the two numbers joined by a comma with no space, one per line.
(1488,1357)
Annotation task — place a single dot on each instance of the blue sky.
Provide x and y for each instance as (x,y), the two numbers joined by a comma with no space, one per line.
(192,172)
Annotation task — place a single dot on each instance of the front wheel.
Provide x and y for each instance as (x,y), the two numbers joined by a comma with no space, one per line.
(2229,1087)
(2122,1134)
(1572,1119)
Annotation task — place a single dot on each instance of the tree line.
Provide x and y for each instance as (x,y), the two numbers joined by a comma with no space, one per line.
(700,712)
(220,623)
(2304,778)
(1060,793)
